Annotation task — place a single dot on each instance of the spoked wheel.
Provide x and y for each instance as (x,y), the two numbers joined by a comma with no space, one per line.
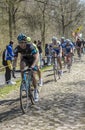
(26,98)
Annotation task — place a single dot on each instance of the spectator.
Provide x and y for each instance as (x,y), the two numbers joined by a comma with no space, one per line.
(47,54)
(35,42)
(9,58)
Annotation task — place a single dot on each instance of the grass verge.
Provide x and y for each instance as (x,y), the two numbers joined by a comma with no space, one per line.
(8,88)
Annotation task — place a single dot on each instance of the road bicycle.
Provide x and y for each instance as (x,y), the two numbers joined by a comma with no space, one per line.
(26,91)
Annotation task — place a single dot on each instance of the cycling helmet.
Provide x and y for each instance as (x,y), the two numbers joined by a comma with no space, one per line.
(21,37)
(63,38)
(54,38)
(28,39)
(68,40)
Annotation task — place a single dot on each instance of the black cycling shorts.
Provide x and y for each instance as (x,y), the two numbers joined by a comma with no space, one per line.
(27,61)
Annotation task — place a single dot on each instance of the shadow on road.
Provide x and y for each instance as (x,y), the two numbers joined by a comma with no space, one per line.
(48,81)
(64,108)
(11,109)
(61,108)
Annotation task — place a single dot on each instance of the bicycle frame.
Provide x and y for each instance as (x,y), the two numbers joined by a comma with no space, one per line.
(27,78)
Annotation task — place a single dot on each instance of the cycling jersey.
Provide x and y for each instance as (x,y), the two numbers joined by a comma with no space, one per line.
(68,48)
(56,48)
(27,53)
(63,45)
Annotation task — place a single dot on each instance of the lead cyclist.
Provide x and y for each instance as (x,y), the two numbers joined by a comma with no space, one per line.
(29,57)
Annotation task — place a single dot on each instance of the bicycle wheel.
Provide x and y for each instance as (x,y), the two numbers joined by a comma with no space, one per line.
(26,97)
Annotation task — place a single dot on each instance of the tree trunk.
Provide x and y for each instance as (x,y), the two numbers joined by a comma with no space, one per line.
(63,28)
(43,32)
(10,24)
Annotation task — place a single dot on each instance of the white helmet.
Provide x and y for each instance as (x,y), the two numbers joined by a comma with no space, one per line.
(54,38)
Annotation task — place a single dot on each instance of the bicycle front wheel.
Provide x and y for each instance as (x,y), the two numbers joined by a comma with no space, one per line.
(26,98)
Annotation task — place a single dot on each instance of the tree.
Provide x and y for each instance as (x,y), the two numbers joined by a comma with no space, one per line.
(68,14)
(11,7)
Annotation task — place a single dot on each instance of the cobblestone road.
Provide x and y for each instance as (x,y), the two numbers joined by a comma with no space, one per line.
(61,105)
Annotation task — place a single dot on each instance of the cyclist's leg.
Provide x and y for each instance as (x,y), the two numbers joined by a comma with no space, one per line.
(34,80)
(39,73)
(69,59)
(36,94)
(40,77)
(60,64)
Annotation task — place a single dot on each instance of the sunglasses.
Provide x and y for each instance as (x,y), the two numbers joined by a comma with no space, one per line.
(22,42)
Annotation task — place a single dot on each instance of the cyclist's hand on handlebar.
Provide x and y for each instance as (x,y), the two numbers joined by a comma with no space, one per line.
(34,68)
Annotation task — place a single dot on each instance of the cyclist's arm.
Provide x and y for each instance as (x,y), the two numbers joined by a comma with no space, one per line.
(36,56)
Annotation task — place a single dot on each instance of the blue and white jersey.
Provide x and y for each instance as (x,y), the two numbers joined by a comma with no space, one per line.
(56,48)
(9,54)
(68,48)
(72,45)
(63,45)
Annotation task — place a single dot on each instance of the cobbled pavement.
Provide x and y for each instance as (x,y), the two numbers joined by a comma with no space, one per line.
(61,105)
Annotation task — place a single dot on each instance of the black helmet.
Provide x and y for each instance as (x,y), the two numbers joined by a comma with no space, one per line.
(21,37)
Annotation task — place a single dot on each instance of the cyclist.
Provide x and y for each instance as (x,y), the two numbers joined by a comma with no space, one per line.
(68,52)
(78,47)
(58,51)
(29,57)
(38,63)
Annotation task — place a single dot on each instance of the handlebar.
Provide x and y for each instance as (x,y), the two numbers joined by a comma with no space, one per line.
(19,71)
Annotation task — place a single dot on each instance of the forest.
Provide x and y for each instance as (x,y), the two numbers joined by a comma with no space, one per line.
(40,19)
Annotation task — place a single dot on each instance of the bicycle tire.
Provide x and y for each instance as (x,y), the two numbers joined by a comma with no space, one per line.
(26,98)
